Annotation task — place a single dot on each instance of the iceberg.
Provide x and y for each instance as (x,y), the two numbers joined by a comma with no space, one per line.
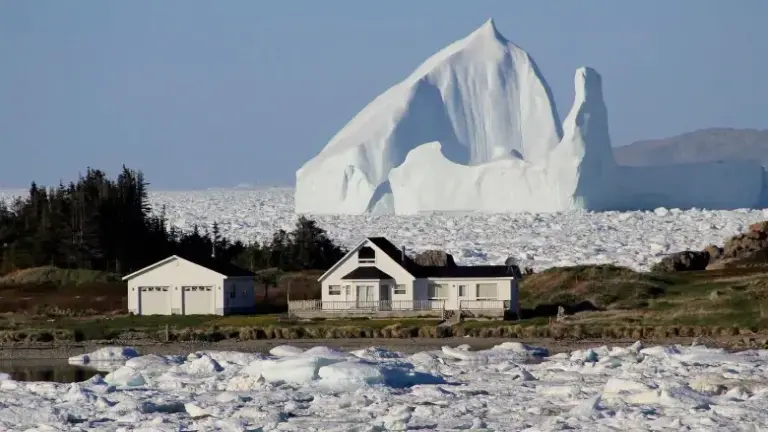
(475,129)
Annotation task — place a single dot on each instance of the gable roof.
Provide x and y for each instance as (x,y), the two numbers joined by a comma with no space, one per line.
(220,266)
(384,246)
(418,271)
(394,252)
(224,268)
(469,272)
(366,273)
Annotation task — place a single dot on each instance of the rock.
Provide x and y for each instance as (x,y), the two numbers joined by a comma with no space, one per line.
(683,261)
(435,258)
(759,227)
(744,250)
(714,251)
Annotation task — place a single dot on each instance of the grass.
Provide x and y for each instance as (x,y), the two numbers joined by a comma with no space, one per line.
(724,298)
(57,277)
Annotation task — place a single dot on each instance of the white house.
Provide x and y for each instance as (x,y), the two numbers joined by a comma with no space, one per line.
(376,275)
(191,286)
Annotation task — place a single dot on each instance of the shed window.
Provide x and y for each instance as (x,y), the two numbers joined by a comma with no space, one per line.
(437,291)
(334,290)
(366,255)
(487,291)
(400,289)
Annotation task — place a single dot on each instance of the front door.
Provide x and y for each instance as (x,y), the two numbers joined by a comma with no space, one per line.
(365,296)
(385,297)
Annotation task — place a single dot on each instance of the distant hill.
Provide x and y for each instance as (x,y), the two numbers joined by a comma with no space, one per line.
(705,145)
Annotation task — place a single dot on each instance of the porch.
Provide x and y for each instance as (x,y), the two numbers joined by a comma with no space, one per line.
(396,308)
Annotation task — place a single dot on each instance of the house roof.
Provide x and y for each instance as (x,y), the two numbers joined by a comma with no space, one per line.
(418,271)
(219,266)
(366,273)
(468,272)
(393,252)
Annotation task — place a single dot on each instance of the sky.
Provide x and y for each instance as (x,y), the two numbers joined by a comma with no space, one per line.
(201,94)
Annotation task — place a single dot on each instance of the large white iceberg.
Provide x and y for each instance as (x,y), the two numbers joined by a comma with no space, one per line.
(475,128)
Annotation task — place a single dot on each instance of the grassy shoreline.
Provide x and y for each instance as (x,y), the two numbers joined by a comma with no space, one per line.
(602,302)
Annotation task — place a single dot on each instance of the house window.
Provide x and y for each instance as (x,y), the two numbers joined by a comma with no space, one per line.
(347,290)
(232,293)
(437,291)
(334,290)
(400,290)
(366,255)
(462,290)
(487,291)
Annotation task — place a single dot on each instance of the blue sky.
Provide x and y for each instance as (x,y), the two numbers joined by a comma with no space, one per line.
(211,94)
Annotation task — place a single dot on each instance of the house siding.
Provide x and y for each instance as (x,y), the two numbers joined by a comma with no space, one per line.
(176,274)
(506,289)
(383,263)
(244,300)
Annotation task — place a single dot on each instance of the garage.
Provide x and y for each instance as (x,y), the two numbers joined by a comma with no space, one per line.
(154,300)
(197,300)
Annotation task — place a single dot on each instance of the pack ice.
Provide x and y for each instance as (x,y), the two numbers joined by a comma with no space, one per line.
(475,128)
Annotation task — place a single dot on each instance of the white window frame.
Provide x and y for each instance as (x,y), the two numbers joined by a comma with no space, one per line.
(463,290)
(334,290)
(400,290)
(432,291)
(195,288)
(477,291)
(153,288)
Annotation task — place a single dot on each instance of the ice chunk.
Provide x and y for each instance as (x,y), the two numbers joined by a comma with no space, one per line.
(285,351)
(106,354)
(125,376)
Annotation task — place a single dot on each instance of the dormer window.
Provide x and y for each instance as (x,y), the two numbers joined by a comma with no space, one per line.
(366,255)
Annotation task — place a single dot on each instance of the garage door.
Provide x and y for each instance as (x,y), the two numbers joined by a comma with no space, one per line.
(197,300)
(154,301)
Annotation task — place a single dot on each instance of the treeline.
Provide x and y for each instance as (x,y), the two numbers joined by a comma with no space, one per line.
(103,224)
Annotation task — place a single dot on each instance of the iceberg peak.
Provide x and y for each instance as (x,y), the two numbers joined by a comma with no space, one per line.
(488,31)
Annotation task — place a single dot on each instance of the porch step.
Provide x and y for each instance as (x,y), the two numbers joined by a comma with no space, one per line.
(451,318)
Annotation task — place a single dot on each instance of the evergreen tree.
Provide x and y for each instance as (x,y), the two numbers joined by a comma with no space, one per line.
(103,224)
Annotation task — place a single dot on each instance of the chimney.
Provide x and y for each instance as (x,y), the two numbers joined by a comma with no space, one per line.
(213,247)
(402,254)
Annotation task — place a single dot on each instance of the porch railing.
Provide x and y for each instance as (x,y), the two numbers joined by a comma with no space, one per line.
(363,305)
(484,305)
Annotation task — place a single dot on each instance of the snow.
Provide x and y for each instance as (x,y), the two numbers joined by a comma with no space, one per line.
(511,386)
(636,239)
(475,129)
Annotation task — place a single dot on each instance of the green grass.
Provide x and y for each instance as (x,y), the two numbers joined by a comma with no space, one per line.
(57,276)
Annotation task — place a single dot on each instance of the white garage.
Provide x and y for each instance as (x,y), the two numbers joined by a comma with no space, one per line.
(191,286)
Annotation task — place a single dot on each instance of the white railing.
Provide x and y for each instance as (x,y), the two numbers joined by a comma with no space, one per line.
(376,305)
(484,304)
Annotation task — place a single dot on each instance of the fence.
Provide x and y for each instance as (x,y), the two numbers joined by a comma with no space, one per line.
(489,305)
(380,308)
(377,305)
